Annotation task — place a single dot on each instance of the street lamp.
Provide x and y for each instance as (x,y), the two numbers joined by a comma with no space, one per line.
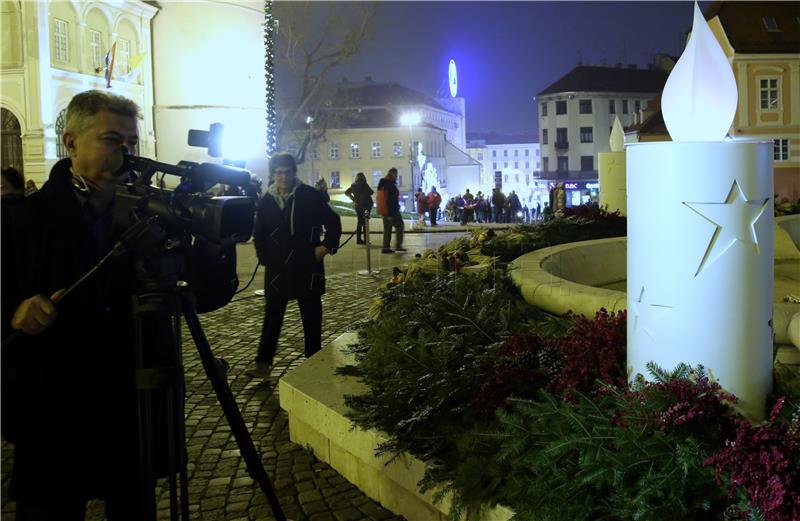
(411,119)
(310,123)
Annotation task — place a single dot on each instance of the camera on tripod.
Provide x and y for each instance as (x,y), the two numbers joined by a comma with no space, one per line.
(217,219)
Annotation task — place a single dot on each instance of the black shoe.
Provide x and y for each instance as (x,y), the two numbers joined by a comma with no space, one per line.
(387,250)
(400,248)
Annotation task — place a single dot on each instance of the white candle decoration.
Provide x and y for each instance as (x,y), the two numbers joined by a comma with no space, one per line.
(700,236)
(611,170)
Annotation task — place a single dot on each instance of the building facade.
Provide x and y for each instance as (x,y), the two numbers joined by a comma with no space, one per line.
(510,164)
(365,131)
(762,41)
(53,50)
(576,114)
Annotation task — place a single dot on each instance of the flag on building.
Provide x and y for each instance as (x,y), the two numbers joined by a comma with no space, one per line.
(110,64)
(134,67)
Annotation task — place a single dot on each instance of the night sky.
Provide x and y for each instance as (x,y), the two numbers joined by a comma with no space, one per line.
(507,52)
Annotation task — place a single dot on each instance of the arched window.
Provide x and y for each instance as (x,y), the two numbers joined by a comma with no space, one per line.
(11,140)
(61,121)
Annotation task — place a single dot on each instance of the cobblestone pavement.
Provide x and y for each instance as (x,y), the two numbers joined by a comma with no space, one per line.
(219,487)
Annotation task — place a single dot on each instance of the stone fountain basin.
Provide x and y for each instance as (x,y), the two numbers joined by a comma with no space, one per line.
(583,277)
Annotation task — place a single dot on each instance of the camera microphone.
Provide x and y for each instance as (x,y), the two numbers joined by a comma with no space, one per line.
(206,173)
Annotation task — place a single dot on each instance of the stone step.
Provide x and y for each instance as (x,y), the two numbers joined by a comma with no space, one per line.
(313,397)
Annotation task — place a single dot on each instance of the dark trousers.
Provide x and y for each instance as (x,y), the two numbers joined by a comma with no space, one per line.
(395,220)
(361,215)
(311,315)
(433,212)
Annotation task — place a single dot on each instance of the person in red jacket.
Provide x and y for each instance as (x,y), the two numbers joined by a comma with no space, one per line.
(434,201)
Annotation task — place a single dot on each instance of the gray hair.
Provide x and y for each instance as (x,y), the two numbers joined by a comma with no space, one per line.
(85,106)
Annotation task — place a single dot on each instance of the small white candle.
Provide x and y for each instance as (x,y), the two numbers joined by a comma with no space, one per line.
(611,167)
(700,234)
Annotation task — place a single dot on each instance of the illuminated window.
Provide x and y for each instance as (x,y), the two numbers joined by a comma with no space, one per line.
(123,57)
(333,151)
(561,107)
(586,135)
(61,40)
(585,106)
(335,181)
(780,149)
(624,106)
(376,177)
(95,47)
(397,149)
(355,150)
(376,149)
(61,120)
(587,163)
(612,106)
(544,109)
(770,93)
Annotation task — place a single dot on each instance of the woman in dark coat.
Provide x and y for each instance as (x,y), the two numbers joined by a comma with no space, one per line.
(361,195)
(289,243)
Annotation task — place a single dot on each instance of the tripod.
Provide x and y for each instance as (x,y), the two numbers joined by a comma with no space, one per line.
(161,300)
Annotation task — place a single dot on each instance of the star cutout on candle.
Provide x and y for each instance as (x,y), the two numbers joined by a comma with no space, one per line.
(735,219)
(644,314)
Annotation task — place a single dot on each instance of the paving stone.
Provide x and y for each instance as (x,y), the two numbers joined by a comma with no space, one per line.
(314,507)
(309,496)
(348,514)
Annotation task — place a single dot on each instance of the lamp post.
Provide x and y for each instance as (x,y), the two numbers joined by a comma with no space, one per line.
(411,119)
(310,123)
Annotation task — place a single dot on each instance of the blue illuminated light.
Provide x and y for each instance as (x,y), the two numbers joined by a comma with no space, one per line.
(453,78)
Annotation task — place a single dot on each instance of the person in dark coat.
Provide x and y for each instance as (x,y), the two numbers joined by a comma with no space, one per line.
(361,195)
(289,243)
(391,213)
(12,185)
(69,400)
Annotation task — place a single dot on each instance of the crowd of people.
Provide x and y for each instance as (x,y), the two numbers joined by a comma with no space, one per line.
(494,208)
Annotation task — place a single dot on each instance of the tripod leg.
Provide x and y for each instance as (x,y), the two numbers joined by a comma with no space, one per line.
(226,400)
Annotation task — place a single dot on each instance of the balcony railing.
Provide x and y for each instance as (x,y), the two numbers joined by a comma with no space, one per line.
(561,145)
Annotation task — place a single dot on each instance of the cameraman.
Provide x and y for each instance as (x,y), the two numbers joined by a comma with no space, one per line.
(288,242)
(69,401)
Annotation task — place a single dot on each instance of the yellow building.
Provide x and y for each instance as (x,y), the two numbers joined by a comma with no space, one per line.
(762,40)
(365,131)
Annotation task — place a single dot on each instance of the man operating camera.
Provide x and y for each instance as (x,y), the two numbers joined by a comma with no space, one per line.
(69,400)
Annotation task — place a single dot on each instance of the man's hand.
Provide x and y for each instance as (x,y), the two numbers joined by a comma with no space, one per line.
(320,252)
(36,314)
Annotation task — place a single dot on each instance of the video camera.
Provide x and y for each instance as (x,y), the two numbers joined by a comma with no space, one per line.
(219,220)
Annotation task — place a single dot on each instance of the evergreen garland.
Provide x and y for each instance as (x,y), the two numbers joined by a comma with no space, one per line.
(269,76)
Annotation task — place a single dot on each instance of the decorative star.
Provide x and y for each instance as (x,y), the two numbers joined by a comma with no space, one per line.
(644,314)
(735,219)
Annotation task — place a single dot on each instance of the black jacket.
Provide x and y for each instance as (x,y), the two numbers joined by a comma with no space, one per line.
(361,194)
(392,195)
(285,241)
(69,401)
